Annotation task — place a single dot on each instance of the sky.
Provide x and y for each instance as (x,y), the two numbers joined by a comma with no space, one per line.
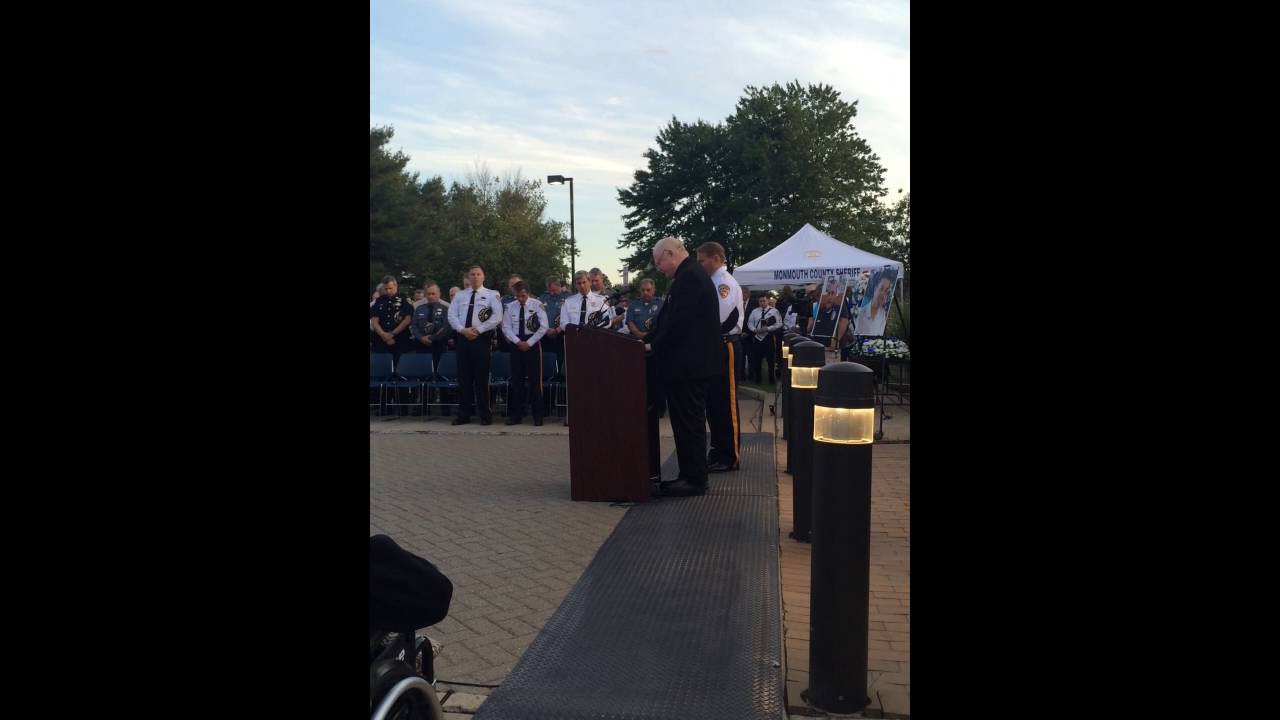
(581,89)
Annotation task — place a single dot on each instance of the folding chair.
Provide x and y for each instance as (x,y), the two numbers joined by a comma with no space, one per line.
(412,373)
(379,373)
(500,379)
(446,378)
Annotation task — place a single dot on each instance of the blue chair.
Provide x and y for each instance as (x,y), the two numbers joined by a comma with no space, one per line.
(500,378)
(550,370)
(412,373)
(379,374)
(446,378)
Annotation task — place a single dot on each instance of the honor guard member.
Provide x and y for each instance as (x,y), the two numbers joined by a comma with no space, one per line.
(762,324)
(389,318)
(474,315)
(507,299)
(643,310)
(525,323)
(580,308)
(430,328)
(722,392)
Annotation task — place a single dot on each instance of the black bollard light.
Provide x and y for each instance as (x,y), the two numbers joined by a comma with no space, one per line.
(840,579)
(787,341)
(788,421)
(807,357)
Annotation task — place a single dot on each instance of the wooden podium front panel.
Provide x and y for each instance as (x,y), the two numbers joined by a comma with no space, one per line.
(608,432)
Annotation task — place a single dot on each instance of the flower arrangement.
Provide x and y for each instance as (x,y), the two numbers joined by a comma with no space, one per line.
(885,347)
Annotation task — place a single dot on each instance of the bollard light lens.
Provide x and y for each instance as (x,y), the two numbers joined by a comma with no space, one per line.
(844,426)
(804,377)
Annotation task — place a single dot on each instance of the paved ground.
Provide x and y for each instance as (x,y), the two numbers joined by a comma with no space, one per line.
(490,506)
(493,513)
(889,614)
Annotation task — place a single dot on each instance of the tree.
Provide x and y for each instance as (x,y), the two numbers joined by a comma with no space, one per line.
(420,230)
(786,156)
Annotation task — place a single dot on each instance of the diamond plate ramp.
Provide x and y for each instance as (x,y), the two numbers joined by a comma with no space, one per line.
(678,615)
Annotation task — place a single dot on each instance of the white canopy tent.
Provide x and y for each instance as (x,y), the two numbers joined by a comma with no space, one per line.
(806,258)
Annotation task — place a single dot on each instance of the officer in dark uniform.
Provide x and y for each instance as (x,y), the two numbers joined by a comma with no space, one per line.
(643,310)
(430,327)
(475,313)
(389,318)
(524,324)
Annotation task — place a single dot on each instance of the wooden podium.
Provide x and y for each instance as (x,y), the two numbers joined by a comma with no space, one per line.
(609,431)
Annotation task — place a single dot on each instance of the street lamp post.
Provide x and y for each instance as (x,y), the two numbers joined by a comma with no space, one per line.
(560,180)
(807,358)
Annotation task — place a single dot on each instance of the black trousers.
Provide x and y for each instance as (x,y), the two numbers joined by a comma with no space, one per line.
(762,350)
(722,411)
(740,360)
(687,408)
(473,377)
(526,373)
(396,350)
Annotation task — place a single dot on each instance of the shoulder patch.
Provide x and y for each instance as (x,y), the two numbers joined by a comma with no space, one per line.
(724,291)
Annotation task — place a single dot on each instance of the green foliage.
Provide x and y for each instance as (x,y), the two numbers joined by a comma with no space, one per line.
(421,229)
(786,156)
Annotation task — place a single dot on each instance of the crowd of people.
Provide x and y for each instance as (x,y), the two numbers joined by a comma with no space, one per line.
(476,321)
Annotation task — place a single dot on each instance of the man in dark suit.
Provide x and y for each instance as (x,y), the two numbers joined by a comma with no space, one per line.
(687,352)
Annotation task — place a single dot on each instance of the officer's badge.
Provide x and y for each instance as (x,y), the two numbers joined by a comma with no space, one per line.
(724,292)
(648,324)
(486,312)
(533,323)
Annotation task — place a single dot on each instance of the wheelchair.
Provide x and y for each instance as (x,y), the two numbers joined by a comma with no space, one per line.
(402,677)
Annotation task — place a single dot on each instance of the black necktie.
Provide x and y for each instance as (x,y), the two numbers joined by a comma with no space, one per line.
(582,316)
(471,307)
(521,333)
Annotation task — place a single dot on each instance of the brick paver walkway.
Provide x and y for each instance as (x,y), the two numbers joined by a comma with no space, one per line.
(889,635)
(494,514)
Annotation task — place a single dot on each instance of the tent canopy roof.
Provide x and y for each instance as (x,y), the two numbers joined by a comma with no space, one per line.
(805,258)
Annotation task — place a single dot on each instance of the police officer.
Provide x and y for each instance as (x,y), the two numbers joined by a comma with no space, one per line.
(615,315)
(476,312)
(581,308)
(524,324)
(430,327)
(762,324)
(503,345)
(722,392)
(389,318)
(643,310)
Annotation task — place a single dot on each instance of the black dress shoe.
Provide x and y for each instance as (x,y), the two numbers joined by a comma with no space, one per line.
(717,467)
(461,421)
(537,422)
(683,488)
(486,422)
(512,421)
